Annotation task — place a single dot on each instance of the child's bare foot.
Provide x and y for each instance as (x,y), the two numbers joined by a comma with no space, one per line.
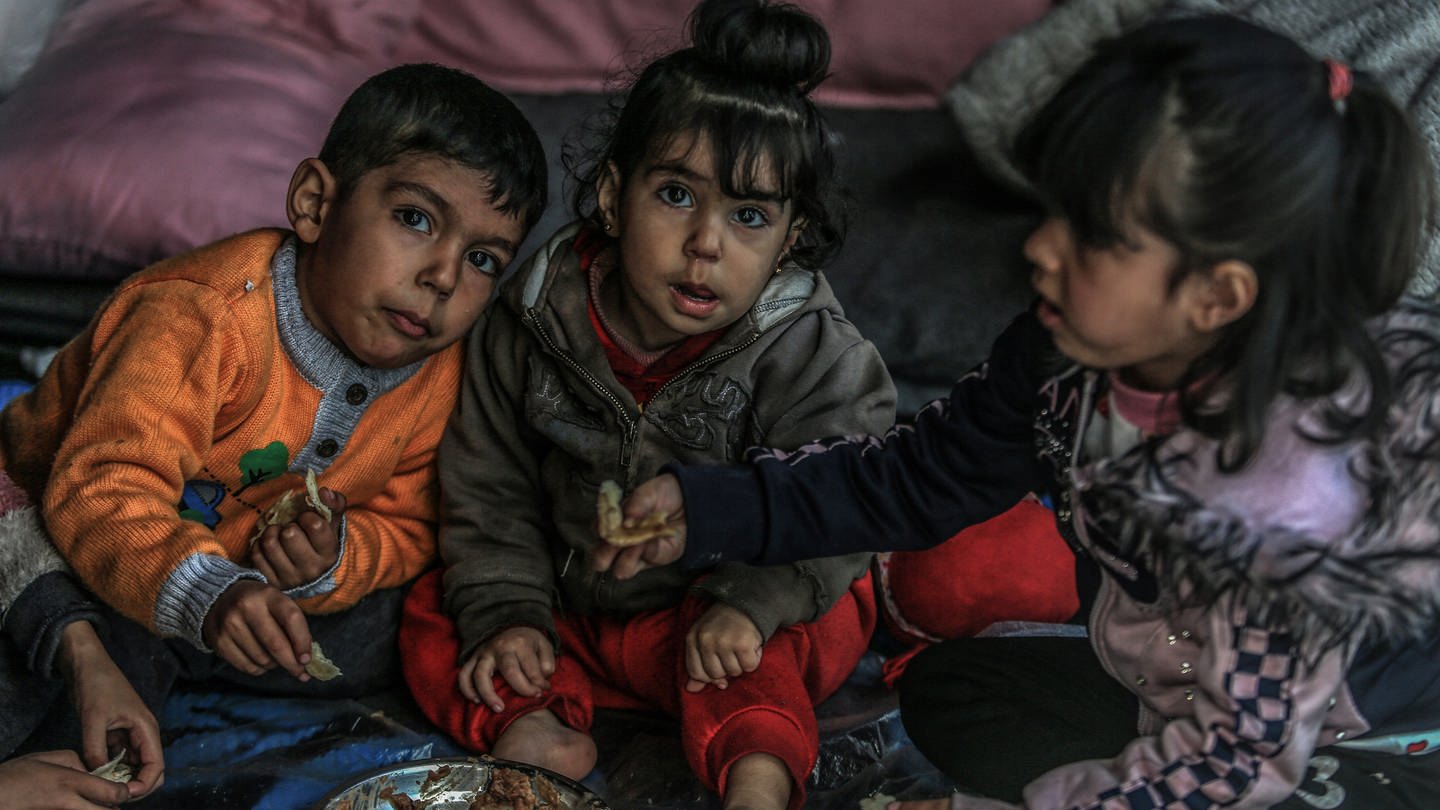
(539,738)
(757,782)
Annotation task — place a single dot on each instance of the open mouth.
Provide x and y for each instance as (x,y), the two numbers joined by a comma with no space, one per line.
(694,300)
(1050,315)
(694,293)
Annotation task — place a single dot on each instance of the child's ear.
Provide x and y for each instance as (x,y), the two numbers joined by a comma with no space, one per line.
(796,228)
(1227,293)
(607,198)
(307,203)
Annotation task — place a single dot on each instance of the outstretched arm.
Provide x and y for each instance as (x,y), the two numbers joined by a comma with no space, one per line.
(962,460)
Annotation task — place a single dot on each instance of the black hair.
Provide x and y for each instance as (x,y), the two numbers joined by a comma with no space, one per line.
(448,113)
(743,83)
(1222,138)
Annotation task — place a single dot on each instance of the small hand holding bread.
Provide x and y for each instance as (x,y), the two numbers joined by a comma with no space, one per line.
(611,520)
(289,506)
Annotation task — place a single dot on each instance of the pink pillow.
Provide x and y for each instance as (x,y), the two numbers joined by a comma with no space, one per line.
(900,53)
(148,127)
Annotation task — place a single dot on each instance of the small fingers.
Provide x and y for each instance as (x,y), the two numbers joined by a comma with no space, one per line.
(484,683)
(145,748)
(94,743)
(239,648)
(277,644)
(298,539)
(627,562)
(720,664)
(540,665)
(277,551)
(258,546)
(296,642)
(729,663)
(512,669)
(694,660)
(748,658)
(311,547)
(602,556)
(665,550)
(100,791)
(261,564)
(463,680)
(335,500)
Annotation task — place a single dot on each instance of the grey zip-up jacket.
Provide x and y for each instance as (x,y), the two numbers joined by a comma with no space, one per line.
(542,421)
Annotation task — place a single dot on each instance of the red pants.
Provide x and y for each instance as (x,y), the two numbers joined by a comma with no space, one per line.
(639,663)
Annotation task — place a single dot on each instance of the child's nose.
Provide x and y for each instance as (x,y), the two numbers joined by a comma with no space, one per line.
(704,241)
(440,275)
(1043,246)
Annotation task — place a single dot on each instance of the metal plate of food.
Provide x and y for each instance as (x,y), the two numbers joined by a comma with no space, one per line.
(462,783)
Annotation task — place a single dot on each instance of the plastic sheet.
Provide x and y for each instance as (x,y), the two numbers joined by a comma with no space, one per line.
(241,751)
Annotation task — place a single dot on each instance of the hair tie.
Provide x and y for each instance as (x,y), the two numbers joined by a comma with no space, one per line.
(1341,80)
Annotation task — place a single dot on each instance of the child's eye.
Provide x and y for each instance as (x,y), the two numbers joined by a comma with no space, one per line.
(484,262)
(412,218)
(678,196)
(752,217)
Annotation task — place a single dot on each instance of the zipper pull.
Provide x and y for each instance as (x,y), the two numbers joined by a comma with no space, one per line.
(627,448)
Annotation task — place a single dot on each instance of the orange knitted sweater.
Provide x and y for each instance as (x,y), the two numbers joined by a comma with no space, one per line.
(196,397)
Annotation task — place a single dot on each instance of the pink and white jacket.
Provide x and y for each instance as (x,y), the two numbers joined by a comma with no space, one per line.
(1258,615)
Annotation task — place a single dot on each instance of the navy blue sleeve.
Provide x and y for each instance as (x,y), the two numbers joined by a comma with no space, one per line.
(40,614)
(962,460)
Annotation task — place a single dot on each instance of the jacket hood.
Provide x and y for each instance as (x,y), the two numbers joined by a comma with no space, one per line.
(1336,543)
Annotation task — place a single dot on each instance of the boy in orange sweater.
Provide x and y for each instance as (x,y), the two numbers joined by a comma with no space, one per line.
(209,384)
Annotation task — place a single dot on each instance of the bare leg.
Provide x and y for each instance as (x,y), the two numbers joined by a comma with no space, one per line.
(758,782)
(539,738)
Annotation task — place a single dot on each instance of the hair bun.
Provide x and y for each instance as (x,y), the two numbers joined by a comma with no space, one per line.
(778,44)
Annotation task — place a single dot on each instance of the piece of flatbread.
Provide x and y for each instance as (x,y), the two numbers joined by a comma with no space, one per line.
(289,506)
(320,667)
(116,770)
(611,519)
(877,802)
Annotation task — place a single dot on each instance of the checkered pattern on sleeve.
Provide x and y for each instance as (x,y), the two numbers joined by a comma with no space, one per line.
(1230,759)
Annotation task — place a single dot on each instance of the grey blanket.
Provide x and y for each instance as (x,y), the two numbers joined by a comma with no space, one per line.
(1396,40)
